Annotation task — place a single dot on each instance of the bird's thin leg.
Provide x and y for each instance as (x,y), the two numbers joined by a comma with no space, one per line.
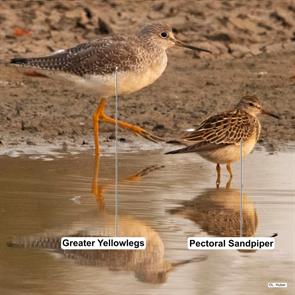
(228,184)
(100,115)
(96,119)
(144,172)
(97,189)
(133,128)
(228,167)
(218,175)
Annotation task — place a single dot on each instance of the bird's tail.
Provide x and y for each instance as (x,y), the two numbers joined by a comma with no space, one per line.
(40,63)
(179,141)
(175,141)
(20,61)
(53,62)
(180,151)
(191,147)
(42,242)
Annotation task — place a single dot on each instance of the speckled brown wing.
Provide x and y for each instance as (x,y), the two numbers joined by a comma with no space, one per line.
(222,129)
(99,57)
(229,128)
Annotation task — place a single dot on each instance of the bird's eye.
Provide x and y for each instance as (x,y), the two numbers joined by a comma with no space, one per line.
(251,104)
(164,34)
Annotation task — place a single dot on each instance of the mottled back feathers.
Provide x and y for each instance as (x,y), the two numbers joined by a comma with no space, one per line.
(222,129)
(99,57)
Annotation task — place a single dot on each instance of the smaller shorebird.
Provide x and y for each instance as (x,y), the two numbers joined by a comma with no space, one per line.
(140,59)
(218,138)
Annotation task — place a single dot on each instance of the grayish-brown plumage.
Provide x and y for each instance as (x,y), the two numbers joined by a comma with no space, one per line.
(135,53)
(148,265)
(98,57)
(138,59)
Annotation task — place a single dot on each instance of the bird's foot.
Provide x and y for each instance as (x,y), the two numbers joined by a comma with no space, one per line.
(133,128)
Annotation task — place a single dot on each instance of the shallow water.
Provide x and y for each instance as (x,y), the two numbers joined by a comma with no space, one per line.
(166,204)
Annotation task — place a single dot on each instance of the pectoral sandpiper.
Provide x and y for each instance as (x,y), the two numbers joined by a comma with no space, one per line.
(140,59)
(218,138)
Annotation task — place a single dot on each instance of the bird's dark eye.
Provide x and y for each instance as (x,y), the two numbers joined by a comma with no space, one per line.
(251,104)
(164,34)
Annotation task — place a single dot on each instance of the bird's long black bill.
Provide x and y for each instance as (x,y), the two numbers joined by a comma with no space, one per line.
(182,44)
(271,114)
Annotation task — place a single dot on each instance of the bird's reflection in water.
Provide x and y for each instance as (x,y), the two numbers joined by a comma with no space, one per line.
(148,265)
(98,189)
(217,212)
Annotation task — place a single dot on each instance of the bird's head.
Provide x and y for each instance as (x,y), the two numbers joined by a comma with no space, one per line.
(162,35)
(253,106)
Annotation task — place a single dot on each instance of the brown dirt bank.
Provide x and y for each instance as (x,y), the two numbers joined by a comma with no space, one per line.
(253,50)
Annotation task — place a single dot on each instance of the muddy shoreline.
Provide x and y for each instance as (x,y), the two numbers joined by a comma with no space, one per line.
(39,111)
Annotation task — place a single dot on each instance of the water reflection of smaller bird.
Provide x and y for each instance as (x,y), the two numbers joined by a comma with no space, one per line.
(218,138)
(217,212)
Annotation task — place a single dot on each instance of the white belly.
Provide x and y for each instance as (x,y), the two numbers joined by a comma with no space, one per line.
(128,82)
(229,153)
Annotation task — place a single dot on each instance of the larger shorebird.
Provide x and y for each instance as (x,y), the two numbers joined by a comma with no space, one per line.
(140,59)
(219,138)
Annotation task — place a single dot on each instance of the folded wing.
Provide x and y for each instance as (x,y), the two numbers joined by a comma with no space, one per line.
(223,129)
(99,57)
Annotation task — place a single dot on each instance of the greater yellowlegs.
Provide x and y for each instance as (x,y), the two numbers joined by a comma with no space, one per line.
(140,59)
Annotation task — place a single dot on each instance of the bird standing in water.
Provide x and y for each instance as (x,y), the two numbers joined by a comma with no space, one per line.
(218,139)
(140,59)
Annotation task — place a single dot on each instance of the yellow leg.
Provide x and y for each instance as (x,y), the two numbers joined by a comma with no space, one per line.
(144,172)
(97,189)
(96,119)
(100,115)
(218,175)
